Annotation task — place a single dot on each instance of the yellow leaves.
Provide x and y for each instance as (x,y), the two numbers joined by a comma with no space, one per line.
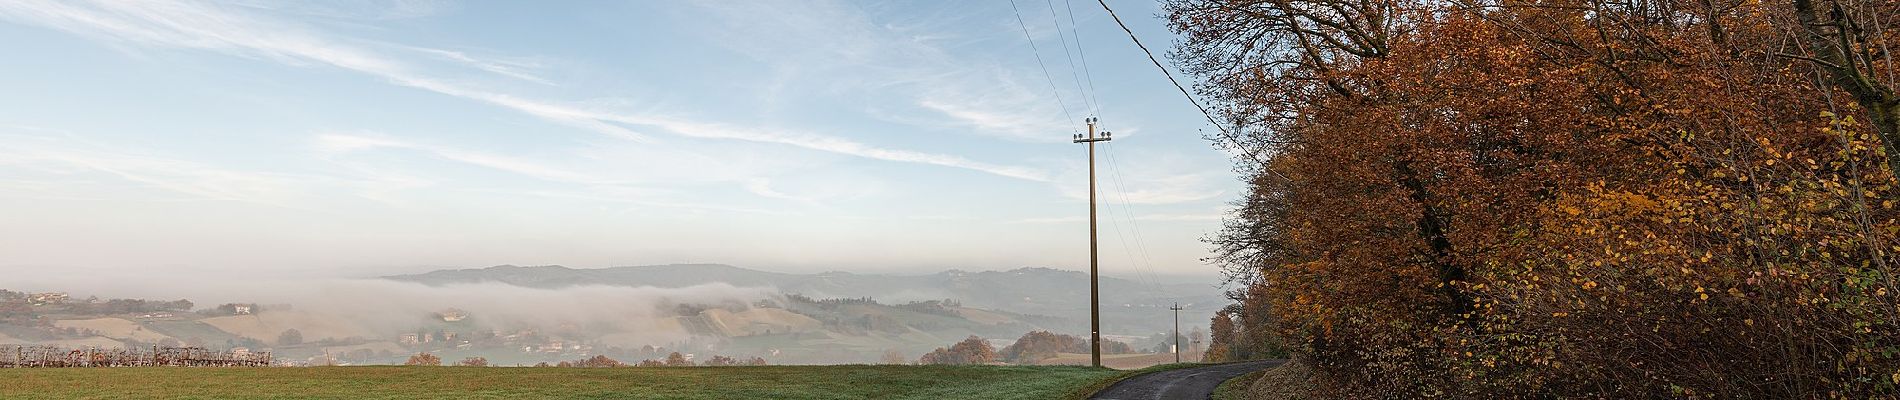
(1589,285)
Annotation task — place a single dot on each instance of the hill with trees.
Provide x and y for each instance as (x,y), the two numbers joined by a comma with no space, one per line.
(1027,291)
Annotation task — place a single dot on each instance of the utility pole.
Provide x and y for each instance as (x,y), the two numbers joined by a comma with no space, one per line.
(1177,332)
(1095,289)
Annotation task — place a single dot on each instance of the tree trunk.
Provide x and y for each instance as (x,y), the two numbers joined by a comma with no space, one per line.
(1833,41)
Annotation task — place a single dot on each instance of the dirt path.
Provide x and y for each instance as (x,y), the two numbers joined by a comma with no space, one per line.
(1191,383)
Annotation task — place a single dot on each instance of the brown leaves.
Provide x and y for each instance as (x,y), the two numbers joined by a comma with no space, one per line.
(1560,198)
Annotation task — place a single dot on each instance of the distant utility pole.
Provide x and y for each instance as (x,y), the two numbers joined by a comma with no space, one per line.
(1177,332)
(1095,290)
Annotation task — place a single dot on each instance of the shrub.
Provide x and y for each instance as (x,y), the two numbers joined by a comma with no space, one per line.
(425,359)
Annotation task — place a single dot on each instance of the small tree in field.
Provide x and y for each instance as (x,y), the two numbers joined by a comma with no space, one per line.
(892,357)
(972,351)
(599,361)
(424,359)
(473,362)
(677,360)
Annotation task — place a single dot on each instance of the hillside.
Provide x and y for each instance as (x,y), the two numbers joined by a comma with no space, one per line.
(1129,306)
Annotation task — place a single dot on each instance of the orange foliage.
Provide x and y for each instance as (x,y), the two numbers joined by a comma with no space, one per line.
(971,351)
(1560,198)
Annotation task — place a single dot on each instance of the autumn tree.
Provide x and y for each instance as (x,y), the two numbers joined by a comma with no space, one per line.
(971,351)
(677,360)
(424,359)
(1038,345)
(1563,198)
(1225,333)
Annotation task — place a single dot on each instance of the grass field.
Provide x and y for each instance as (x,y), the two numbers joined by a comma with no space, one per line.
(1236,389)
(393,382)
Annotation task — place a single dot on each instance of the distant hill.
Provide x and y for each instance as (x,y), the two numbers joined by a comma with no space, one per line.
(1129,307)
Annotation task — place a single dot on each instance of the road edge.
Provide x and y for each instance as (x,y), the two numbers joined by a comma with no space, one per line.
(1089,392)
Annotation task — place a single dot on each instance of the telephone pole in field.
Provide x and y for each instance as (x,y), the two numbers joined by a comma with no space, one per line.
(1177,332)
(1095,290)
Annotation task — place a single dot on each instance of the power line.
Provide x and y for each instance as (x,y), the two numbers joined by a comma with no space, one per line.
(1045,67)
(1087,98)
(1164,70)
(1084,55)
(1231,136)
(1142,274)
(1141,244)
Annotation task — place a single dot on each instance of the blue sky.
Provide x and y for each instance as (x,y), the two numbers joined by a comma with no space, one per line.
(358,137)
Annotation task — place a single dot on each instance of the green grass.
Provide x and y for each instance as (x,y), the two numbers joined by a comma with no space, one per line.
(1236,389)
(393,382)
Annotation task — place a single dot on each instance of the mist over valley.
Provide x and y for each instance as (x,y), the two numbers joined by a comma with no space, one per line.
(513,315)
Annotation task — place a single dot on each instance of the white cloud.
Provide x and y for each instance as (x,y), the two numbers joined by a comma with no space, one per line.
(196,181)
(340,143)
(844,44)
(512,69)
(208,27)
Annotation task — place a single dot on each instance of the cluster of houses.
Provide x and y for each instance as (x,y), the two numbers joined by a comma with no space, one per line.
(40,299)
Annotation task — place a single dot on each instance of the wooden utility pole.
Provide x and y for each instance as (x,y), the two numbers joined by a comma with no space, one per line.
(1177,332)
(1095,289)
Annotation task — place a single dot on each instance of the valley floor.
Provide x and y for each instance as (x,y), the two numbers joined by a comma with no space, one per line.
(395,382)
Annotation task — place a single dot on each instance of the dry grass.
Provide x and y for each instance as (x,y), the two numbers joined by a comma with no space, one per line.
(116,328)
(1290,381)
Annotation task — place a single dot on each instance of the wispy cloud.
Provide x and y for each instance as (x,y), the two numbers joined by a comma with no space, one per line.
(194,180)
(210,27)
(513,69)
(849,49)
(341,143)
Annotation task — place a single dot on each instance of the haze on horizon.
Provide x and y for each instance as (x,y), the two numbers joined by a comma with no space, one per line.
(357,138)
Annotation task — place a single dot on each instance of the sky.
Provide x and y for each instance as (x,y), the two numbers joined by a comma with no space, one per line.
(360,138)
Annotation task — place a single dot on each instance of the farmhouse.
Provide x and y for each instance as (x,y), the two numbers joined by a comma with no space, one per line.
(40,299)
(452,315)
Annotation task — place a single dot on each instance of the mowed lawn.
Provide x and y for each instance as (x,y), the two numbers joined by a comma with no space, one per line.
(396,382)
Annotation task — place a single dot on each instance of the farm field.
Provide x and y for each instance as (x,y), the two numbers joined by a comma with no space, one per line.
(398,382)
(1121,361)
